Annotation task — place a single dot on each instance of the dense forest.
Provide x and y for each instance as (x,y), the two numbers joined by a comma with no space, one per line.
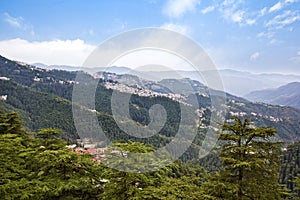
(38,165)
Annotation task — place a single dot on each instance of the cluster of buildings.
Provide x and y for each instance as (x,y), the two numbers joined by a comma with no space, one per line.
(3,97)
(86,146)
(143,92)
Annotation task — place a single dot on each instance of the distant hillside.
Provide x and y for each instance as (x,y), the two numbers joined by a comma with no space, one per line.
(235,82)
(285,119)
(287,95)
(112,69)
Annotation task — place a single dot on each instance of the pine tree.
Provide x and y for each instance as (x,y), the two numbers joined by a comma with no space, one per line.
(10,123)
(250,162)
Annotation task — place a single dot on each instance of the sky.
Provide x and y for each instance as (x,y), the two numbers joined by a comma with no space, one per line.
(247,35)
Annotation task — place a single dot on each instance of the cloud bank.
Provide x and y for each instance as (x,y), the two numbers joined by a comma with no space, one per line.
(63,52)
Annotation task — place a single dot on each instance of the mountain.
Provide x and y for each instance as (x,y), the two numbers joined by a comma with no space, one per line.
(235,82)
(241,83)
(164,86)
(285,119)
(112,69)
(30,91)
(286,95)
(44,98)
(57,67)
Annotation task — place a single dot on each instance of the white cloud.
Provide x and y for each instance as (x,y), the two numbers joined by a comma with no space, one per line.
(276,7)
(19,23)
(280,4)
(286,18)
(65,52)
(207,9)
(15,22)
(261,34)
(250,21)
(275,42)
(263,11)
(265,34)
(228,2)
(183,29)
(232,10)
(254,56)
(237,16)
(177,8)
(238,12)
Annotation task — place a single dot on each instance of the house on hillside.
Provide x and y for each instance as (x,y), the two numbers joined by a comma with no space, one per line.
(3,97)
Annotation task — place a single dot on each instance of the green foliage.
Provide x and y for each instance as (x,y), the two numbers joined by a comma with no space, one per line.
(134,147)
(38,166)
(42,168)
(250,163)
(176,181)
(171,188)
(296,188)
(10,123)
(42,110)
(290,170)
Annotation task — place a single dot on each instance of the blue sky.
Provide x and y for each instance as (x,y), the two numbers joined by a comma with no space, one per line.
(255,36)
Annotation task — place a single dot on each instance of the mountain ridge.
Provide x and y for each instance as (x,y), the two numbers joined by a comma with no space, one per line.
(235,82)
(61,83)
(286,95)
